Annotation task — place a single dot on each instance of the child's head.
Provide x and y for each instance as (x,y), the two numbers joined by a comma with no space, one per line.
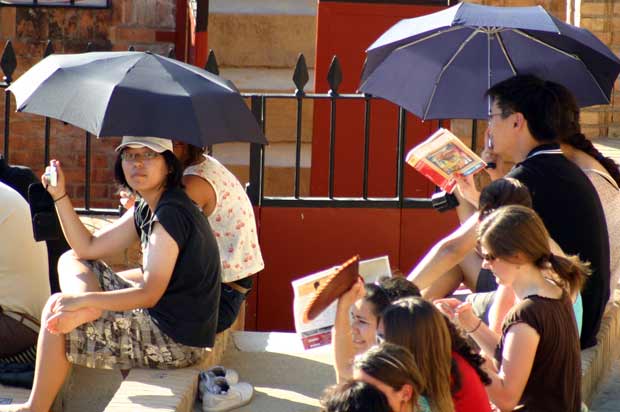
(354,396)
(503,192)
(393,370)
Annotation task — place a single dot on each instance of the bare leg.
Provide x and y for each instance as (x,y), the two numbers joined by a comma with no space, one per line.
(51,371)
(74,276)
(445,285)
(504,300)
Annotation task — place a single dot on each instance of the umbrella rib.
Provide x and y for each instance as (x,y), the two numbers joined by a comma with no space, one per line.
(505,53)
(572,56)
(430,36)
(445,67)
(534,39)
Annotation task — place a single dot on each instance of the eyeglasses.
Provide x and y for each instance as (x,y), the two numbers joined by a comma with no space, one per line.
(489,257)
(139,157)
(380,338)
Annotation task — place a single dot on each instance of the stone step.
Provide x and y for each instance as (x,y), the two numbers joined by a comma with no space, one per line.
(259,33)
(279,166)
(281,114)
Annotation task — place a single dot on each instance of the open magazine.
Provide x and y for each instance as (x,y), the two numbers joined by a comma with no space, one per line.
(318,331)
(443,156)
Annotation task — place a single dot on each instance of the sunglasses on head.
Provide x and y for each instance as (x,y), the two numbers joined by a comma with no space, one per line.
(489,257)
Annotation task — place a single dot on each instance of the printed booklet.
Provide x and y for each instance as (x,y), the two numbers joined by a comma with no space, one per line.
(318,332)
(443,156)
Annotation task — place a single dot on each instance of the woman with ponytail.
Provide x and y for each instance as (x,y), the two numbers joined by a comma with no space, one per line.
(602,171)
(537,357)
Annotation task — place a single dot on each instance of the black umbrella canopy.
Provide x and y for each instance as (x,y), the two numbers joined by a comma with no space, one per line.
(139,94)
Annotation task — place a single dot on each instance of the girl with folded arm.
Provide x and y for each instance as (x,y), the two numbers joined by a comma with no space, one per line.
(160,315)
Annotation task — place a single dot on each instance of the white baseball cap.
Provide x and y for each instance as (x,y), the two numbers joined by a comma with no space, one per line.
(156,144)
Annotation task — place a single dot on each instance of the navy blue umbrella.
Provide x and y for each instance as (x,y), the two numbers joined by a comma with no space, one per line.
(138,94)
(438,66)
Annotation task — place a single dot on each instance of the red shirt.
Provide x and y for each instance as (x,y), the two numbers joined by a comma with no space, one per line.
(473,396)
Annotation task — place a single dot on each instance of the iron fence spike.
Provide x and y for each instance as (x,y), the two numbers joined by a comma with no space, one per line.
(8,61)
(334,75)
(49,49)
(211,65)
(300,75)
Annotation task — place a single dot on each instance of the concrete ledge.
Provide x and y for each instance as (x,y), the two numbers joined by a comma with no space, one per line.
(97,390)
(156,390)
(597,361)
(164,390)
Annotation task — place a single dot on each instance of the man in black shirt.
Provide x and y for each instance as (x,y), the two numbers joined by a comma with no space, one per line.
(524,123)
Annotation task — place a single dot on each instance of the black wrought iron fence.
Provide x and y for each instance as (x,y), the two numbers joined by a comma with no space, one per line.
(259,103)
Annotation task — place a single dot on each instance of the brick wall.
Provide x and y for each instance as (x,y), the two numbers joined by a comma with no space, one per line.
(145,24)
(603,19)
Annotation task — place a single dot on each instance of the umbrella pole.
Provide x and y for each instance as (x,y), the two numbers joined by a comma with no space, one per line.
(489,70)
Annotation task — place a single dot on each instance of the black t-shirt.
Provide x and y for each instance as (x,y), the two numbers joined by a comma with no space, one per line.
(187,311)
(570,208)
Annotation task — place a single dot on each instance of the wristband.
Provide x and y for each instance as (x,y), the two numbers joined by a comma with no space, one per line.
(474,329)
(61,197)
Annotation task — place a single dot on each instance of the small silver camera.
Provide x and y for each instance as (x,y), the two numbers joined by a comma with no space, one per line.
(52,175)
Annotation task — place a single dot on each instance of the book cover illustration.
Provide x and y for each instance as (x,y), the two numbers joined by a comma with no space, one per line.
(441,157)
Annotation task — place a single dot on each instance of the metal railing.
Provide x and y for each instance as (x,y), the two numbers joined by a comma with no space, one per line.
(259,103)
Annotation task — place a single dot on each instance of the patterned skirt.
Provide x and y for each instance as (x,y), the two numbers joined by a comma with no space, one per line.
(125,340)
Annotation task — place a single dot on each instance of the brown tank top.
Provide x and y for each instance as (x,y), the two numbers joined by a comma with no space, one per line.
(555,380)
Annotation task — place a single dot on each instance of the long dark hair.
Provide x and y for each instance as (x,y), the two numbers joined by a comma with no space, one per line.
(517,229)
(461,346)
(570,132)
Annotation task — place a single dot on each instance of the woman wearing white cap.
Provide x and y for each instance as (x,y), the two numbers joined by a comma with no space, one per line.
(160,315)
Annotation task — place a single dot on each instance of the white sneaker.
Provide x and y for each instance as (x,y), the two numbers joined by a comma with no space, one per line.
(229,397)
(231,375)
(207,379)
